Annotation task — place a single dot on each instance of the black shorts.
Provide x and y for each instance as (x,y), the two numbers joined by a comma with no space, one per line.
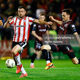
(38,45)
(22,44)
(61,48)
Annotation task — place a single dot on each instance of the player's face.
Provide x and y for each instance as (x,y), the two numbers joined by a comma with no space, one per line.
(42,17)
(65,16)
(21,12)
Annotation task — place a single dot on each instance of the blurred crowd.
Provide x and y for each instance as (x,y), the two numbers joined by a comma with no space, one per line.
(34,7)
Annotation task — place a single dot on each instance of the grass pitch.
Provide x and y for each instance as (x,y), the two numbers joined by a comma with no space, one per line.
(65,70)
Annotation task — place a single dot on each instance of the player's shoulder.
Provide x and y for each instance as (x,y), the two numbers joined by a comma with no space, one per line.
(28,17)
(73,27)
(72,24)
(14,17)
(34,24)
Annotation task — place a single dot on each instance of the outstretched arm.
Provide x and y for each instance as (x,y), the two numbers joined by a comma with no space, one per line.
(54,20)
(77,37)
(42,22)
(7,22)
(36,36)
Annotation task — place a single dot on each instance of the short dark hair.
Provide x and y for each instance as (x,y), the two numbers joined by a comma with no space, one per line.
(68,11)
(21,7)
(42,14)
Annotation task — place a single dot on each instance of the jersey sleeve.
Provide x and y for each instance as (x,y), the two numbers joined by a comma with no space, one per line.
(73,28)
(12,21)
(34,27)
(31,20)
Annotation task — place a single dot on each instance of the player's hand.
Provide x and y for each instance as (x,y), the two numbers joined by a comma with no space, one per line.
(1,23)
(51,18)
(42,22)
(40,38)
(50,23)
(39,21)
(9,18)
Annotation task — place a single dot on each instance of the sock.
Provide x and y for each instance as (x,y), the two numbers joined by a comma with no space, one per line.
(50,57)
(22,69)
(17,58)
(33,58)
(48,61)
(47,55)
(32,63)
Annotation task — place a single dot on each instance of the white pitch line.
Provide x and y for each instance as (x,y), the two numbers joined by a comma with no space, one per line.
(43,68)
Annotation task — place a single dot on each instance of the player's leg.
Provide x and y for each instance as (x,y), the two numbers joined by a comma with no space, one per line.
(33,57)
(15,51)
(32,60)
(36,52)
(67,49)
(46,51)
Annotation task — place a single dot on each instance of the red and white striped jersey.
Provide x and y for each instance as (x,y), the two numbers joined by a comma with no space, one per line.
(21,28)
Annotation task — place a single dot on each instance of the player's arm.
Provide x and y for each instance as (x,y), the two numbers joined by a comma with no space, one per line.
(34,33)
(36,36)
(77,37)
(74,31)
(55,20)
(1,23)
(6,25)
(42,22)
(47,33)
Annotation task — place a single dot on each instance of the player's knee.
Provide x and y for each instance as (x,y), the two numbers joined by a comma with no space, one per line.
(46,47)
(54,48)
(44,52)
(75,60)
(16,49)
(14,52)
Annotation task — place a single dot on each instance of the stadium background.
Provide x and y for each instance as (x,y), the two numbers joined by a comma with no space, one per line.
(34,7)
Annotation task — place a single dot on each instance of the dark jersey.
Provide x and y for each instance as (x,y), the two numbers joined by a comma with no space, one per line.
(65,47)
(65,31)
(39,29)
(67,28)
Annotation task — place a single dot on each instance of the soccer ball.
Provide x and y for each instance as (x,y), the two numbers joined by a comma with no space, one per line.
(10,63)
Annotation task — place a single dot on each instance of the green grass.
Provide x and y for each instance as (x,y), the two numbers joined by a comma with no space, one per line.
(64,70)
